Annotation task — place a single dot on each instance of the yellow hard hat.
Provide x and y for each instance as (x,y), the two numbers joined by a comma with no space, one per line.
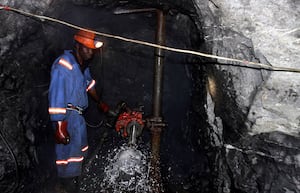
(87,39)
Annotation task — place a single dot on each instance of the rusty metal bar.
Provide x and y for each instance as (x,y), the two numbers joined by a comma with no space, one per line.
(158,68)
(155,123)
(157,101)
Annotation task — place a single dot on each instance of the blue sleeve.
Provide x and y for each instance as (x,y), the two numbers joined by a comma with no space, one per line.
(87,75)
(90,83)
(57,94)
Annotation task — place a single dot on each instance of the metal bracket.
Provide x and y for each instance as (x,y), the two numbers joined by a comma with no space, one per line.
(155,123)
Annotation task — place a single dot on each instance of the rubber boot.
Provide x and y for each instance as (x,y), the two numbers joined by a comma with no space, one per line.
(67,185)
(60,187)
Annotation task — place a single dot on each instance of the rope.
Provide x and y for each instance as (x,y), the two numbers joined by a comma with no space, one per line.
(254,64)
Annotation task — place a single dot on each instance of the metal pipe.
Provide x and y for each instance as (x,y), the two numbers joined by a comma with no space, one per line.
(158,68)
(157,101)
(156,122)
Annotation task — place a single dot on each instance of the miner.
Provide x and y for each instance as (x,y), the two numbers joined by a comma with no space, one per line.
(71,82)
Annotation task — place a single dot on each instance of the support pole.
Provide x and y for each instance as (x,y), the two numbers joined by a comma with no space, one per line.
(157,121)
(158,68)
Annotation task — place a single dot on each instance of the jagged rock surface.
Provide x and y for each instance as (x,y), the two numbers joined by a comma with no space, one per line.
(245,120)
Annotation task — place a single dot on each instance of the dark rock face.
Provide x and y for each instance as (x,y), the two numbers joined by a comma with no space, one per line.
(21,94)
(264,163)
(223,118)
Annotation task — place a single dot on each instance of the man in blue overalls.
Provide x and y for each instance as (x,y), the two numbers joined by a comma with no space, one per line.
(70,82)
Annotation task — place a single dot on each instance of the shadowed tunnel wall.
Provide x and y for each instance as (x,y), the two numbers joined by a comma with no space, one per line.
(123,71)
(214,142)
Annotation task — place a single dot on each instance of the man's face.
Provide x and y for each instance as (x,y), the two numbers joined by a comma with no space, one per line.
(85,52)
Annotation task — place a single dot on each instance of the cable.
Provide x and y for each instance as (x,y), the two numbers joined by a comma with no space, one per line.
(94,126)
(100,63)
(290,31)
(258,65)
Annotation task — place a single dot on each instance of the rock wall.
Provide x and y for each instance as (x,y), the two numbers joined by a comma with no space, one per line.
(24,81)
(253,116)
(273,27)
(249,118)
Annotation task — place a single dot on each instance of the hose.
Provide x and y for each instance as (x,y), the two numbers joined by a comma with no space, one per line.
(15,162)
(94,126)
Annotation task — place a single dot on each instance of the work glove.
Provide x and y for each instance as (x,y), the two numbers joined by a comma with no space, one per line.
(61,133)
(106,110)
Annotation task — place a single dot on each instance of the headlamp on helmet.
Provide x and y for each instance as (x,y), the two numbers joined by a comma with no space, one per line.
(98,44)
(87,39)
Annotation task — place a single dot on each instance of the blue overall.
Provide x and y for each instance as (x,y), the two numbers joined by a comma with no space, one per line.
(69,86)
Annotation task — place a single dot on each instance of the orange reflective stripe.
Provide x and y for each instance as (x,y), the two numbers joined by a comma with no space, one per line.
(85,148)
(59,130)
(52,110)
(93,82)
(61,162)
(65,63)
(79,159)
(71,159)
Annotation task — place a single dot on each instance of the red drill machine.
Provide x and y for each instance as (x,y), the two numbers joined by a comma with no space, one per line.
(129,123)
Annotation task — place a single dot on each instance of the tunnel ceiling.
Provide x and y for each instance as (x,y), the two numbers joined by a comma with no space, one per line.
(240,124)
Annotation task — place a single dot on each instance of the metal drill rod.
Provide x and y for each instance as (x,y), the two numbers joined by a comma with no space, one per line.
(133,136)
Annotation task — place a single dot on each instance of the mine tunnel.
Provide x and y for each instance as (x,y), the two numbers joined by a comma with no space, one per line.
(204,144)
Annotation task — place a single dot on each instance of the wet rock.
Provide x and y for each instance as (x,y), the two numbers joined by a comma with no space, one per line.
(235,110)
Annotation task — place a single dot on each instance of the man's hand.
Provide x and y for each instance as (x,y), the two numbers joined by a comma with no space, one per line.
(61,134)
(106,110)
